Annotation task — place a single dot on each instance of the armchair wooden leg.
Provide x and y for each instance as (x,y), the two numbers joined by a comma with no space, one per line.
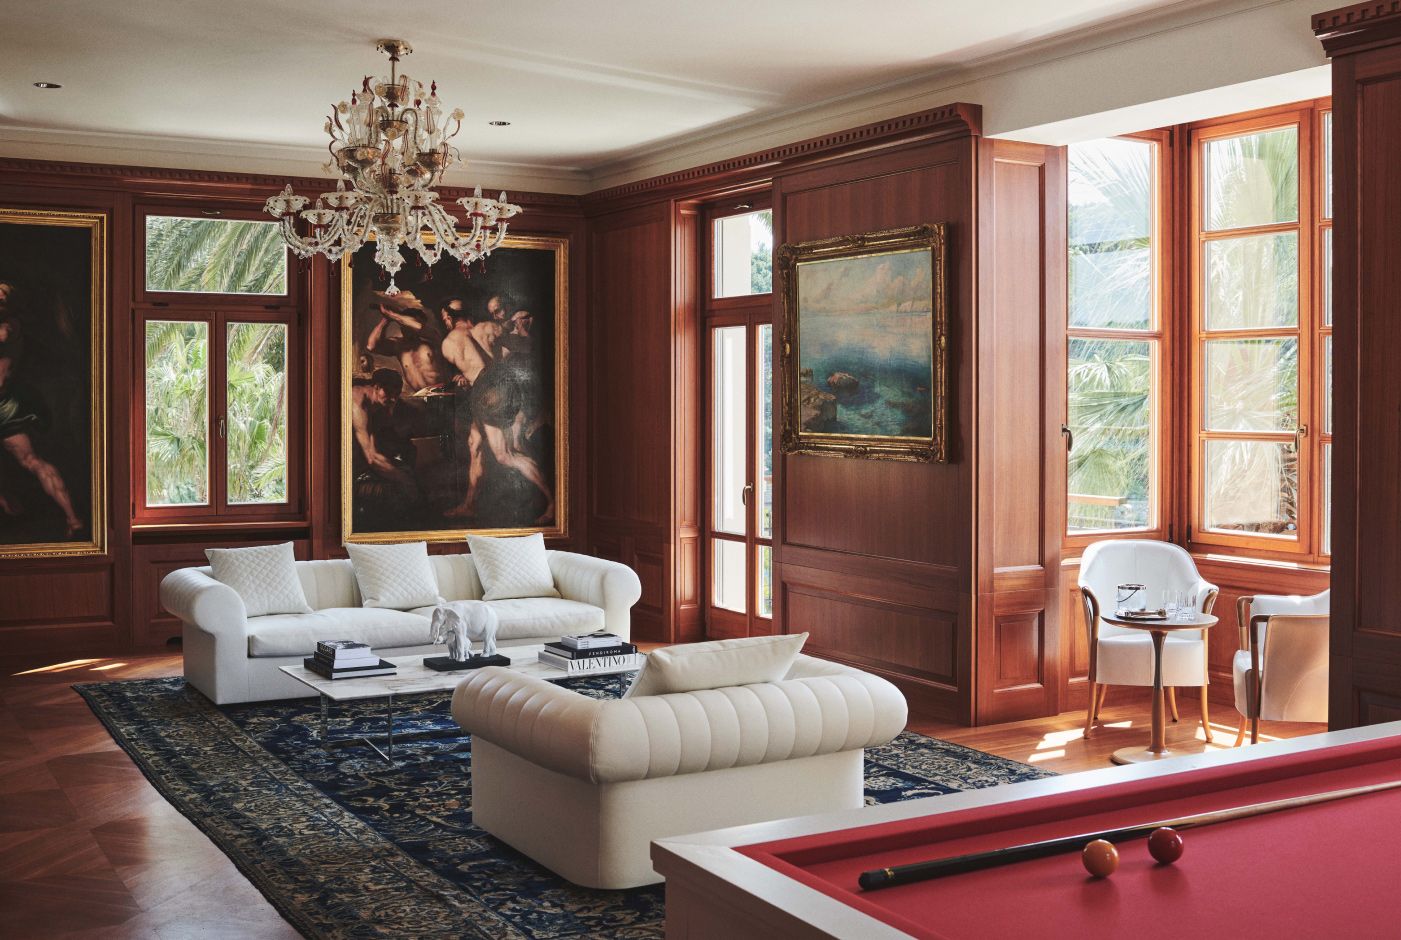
(1090,708)
(1172,701)
(1099,703)
(1206,720)
(1240,731)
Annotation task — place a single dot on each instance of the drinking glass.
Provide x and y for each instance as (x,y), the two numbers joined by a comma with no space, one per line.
(1185,605)
(1167,600)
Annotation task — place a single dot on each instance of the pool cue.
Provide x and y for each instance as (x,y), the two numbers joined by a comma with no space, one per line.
(923,871)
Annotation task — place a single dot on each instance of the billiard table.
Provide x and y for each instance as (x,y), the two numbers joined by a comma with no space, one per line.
(1322,870)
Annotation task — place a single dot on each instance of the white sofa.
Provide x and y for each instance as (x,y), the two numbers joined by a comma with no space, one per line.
(231,657)
(583,786)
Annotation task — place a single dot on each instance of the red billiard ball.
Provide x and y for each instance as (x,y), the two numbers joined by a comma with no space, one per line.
(1100,858)
(1165,845)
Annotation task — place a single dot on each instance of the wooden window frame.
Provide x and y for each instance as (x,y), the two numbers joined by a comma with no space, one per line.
(1306,546)
(750,311)
(1159,335)
(218,310)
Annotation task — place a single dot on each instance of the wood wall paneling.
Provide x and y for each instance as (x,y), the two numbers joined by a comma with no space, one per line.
(1020,460)
(1364,42)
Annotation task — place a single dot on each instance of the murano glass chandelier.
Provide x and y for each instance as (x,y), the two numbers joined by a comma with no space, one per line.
(391,143)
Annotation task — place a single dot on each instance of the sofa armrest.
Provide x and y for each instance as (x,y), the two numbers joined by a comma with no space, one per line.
(607,584)
(682,733)
(546,724)
(201,601)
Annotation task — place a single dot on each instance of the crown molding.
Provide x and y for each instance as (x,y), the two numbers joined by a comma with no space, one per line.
(1358,27)
(949,121)
(269,160)
(181,181)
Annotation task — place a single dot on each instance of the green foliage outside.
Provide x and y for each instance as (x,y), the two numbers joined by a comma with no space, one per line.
(215,255)
(761,258)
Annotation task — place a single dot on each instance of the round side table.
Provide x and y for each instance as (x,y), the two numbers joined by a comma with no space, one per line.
(1158,629)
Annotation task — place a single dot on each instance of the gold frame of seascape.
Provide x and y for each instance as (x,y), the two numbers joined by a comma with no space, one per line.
(560,246)
(96,224)
(791,258)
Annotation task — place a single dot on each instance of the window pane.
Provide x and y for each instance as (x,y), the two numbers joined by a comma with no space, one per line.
(743,246)
(730,428)
(1110,468)
(1252,486)
(177,406)
(1252,179)
(1328,164)
(728,575)
(1252,281)
(1252,385)
(257,413)
(214,256)
(1110,198)
(763,484)
(1328,383)
(1328,275)
(1327,499)
(765,579)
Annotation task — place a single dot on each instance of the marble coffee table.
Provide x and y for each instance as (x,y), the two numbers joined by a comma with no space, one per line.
(413,677)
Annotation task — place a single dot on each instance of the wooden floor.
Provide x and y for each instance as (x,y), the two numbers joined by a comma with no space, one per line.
(89,849)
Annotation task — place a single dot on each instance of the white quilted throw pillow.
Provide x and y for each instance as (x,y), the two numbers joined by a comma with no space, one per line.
(264,576)
(512,567)
(396,577)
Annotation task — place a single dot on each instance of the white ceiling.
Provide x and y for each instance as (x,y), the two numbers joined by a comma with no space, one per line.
(583,82)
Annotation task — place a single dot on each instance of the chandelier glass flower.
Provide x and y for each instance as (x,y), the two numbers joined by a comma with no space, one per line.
(391,142)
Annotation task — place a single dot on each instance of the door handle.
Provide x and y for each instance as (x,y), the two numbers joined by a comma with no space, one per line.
(1301,432)
(745,493)
(223,428)
(1069,437)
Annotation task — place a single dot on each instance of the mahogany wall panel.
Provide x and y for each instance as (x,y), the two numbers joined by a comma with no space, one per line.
(1364,42)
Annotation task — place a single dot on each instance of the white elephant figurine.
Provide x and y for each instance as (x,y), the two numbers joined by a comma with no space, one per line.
(462,623)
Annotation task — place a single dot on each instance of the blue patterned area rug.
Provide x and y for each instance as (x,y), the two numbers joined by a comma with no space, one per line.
(347,846)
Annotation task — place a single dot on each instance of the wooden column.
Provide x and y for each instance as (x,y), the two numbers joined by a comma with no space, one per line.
(1364,42)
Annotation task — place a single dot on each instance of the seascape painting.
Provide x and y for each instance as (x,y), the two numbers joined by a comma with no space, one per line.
(52,300)
(454,395)
(865,369)
(866,361)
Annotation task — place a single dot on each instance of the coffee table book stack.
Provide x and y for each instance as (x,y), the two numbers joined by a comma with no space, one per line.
(585,653)
(346,659)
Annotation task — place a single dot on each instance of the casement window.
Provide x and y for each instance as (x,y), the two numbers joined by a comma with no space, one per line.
(1115,343)
(216,406)
(1199,335)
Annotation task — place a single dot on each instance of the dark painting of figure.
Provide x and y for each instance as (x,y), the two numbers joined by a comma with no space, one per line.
(453,421)
(50,315)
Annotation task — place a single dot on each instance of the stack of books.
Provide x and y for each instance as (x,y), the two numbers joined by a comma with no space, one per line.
(591,652)
(346,659)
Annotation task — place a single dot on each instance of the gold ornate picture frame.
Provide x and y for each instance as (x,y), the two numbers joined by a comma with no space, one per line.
(53,383)
(473,446)
(865,345)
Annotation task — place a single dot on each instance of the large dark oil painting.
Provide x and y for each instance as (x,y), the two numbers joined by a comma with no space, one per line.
(52,301)
(866,331)
(454,395)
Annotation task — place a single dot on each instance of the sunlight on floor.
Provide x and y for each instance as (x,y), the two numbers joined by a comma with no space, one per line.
(60,667)
(108,666)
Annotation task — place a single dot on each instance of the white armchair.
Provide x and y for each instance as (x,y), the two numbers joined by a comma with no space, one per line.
(1281,668)
(583,786)
(1124,656)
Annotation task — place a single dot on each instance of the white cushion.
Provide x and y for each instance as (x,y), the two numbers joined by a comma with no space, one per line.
(548,617)
(398,577)
(265,576)
(718,664)
(1127,659)
(512,567)
(297,634)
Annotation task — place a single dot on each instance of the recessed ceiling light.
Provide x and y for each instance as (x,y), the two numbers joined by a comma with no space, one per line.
(499,123)
(47,85)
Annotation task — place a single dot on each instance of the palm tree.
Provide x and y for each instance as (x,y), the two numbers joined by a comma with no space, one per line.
(214,256)
(177,402)
(257,413)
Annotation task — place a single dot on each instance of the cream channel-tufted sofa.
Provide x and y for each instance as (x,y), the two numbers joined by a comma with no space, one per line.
(232,657)
(583,786)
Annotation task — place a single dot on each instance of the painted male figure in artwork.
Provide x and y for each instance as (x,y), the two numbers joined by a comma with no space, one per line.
(476,445)
(23,415)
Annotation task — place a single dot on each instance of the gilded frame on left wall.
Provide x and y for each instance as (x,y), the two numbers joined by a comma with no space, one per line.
(53,376)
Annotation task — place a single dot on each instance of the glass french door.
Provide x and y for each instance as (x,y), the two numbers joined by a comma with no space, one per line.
(738,527)
(740,524)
